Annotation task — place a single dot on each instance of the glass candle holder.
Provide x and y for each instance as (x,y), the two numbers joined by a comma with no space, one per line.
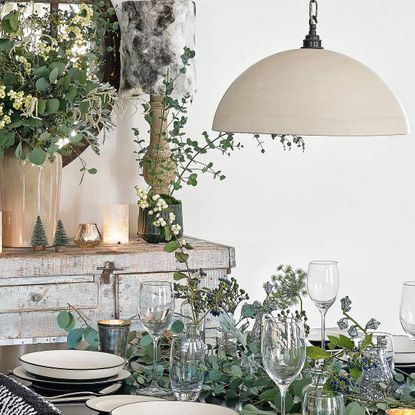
(113,336)
(87,235)
(116,224)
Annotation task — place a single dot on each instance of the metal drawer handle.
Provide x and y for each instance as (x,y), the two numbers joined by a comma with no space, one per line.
(107,270)
(36,297)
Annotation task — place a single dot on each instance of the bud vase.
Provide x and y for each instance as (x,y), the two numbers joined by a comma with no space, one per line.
(187,364)
(29,191)
(377,379)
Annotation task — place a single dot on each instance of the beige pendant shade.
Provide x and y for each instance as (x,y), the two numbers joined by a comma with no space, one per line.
(310,92)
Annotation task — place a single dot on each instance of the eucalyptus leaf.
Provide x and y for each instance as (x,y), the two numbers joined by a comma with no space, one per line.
(236,371)
(177,327)
(7,139)
(41,106)
(63,319)
(42,85)
(146,340)
(52,106)
(19,152)
(91,336)
(71,93)
(60,66)
(53,76)
(5,45)
(354,408)
(37,156)
(75,337)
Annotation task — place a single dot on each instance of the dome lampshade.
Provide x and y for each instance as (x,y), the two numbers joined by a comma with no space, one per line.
(310,92)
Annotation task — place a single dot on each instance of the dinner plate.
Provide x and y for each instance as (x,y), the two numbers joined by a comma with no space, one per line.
(172,408)
(72,364)
(404,350)
(109,403)
(61,384)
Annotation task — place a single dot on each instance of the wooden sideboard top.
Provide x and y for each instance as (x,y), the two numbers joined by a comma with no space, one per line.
(135,257)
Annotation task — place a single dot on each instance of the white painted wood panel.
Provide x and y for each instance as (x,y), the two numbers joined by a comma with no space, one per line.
(16,298)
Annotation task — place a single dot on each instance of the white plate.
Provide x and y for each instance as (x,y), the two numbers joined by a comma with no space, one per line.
(72,364)
(404,350)
(172,408)
(21,373)
(109,403)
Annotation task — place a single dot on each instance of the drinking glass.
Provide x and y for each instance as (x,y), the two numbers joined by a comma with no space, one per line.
(187,365)
(319,402)
(155,310)
(283,351)
(407,309)
(323,285)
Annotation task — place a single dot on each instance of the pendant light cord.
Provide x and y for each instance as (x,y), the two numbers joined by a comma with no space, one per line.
(312,40)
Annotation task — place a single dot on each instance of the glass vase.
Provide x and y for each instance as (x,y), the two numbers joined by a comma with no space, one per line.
(377,379)
(187,364)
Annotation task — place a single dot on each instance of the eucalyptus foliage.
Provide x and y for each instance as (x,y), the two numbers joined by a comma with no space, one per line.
(235,375)
(51,98)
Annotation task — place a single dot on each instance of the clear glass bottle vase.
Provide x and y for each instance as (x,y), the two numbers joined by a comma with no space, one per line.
(377,378)
(187,363)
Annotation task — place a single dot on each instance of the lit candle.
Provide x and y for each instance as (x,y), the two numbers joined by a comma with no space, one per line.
(116,224)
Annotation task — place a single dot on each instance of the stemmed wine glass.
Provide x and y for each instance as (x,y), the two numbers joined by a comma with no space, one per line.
(283,351)
(407,309)
(155,310)
(323,285)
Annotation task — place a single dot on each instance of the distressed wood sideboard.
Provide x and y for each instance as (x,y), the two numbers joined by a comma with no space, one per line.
(101,282)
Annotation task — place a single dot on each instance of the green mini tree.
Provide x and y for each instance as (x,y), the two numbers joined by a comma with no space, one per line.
(39,238)
(61,238)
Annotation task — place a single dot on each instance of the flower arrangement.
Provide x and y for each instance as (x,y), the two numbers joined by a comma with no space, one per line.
(51,98)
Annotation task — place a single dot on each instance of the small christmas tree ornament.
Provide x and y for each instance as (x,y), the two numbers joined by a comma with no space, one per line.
(61,239)
(39,238)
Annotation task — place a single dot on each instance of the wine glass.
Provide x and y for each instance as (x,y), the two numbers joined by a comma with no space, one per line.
(155,310)
(283,351)
(322,286)
(407,309)
(319,402)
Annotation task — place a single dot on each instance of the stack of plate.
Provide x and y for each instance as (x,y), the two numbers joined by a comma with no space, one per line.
(404,349)
(59,371)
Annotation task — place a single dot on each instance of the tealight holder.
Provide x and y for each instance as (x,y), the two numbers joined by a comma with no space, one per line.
(116,223)
(401,411)
(87,235)
(113,336)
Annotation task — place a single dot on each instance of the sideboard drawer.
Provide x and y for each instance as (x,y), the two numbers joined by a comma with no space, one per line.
(17,298)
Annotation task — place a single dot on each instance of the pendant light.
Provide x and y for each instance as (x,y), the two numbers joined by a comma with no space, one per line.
(312,92)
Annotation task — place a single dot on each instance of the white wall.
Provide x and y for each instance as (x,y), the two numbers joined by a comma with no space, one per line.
(349,199)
